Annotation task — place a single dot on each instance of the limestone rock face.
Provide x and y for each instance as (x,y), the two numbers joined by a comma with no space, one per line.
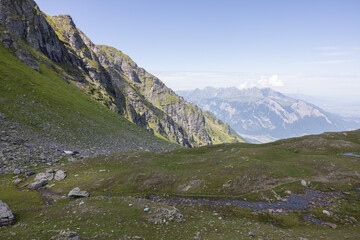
(106,74)
(25,21)
(6,216)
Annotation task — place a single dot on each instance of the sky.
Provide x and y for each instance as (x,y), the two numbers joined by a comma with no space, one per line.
(305,47)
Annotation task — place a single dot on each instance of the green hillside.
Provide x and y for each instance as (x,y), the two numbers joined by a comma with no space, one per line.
(44,103)
(122,186)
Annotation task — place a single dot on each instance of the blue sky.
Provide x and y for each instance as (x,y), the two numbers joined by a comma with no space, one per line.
(310,47)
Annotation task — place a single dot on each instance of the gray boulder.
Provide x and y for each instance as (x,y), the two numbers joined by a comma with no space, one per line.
(60,175)
(48,176)
(76,192)
(6,216)
(38,184)
(40,176)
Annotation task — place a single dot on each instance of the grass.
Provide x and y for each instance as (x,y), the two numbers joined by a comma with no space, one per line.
(61,110)
(256,172)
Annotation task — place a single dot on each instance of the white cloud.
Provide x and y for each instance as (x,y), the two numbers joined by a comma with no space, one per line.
(245,85)
(272,81)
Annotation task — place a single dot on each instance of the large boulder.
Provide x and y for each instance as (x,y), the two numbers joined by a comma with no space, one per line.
(6,216)
(76,192)
(38,184)
(48,176)
(60,175)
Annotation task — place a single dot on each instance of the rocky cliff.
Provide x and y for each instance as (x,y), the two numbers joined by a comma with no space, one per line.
(106,74)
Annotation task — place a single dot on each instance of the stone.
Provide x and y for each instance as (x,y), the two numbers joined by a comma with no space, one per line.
(50,171)
(76,192)
(60,175)
(326,212)
(6,216)
(38,184)
(70,152)
(40,176)
(146,209)
(332,225)
(17,171)
(251,234)
(303,183)
(66,235)
(17,180)
(48,176)
(29,173)
(165,215)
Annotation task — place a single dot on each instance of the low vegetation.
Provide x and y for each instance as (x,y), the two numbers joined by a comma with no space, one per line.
(123,185)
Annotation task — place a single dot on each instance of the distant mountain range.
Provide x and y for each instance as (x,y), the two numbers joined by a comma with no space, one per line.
(263,115)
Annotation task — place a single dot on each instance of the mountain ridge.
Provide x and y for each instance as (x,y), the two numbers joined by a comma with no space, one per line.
(265,113)
(105,74)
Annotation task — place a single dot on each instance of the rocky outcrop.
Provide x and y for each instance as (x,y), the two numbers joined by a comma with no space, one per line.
(6,216)
(105,74)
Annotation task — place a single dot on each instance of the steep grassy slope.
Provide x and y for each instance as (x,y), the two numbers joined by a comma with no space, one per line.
(44,103)
(121,186)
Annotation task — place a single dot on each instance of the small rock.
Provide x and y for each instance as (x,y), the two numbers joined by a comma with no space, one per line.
(251,234)
(29,173)
(332,225)
(40,176)
(60,175)
(353,219)
(38,184)
(146,209)
(6,216)
(17,171)
(70,152)
(303,183)
(17,180)
(326,212)
(288,192)
(76,192)
(50,171)
(66,235)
